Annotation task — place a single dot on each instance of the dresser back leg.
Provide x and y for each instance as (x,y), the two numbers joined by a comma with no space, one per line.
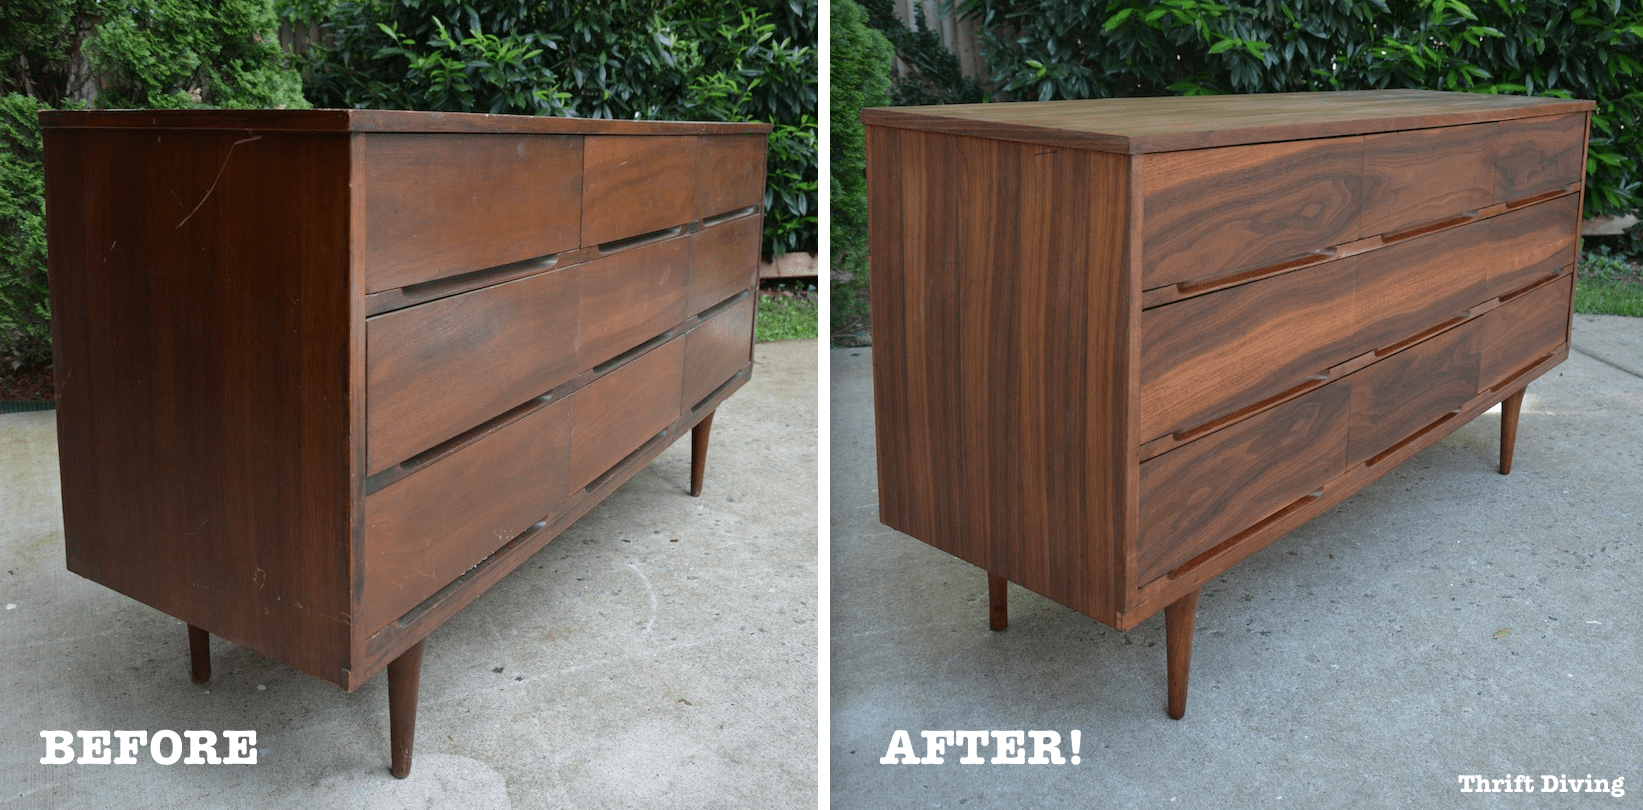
(998,602)
(404,674)
(698,452)
(1178,617)
(199,654)
(1508,429)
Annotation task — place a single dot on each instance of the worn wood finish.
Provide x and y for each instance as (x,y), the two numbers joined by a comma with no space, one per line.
(998,380)
(404,680)
(436,370)
(698,453)
(1281,298)
(729,174)
(636,185)
(723,258)
(199,654)
(328,501)
(1509,409)
(720,347)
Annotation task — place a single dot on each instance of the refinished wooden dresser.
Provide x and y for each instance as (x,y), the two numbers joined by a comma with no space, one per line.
(326,376)
(1121,345)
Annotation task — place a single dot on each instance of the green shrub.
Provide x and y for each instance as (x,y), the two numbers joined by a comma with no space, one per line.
(39,48)
(933,75)
(25,314)
(684,59)
(860,75)
(1593,49)
(183,53)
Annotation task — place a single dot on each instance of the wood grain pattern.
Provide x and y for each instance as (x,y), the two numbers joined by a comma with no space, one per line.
(1275,457)
(1000,386)
(438,369)
(1404,393)
(200,443)
(1218,353)
(636,185)
(1409,287)
(373,121)
(631,297)
(1539,155)
(1218,211)
(440,205)
(716,349)
(1426,175)
(729,173)
(617,413)
(1525,329)
(1532,243)
(423,531)
(724,257)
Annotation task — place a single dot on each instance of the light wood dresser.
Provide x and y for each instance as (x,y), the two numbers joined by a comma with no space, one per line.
(326,376)
(1121,345)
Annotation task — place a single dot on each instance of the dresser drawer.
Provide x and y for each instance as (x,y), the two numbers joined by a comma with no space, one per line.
(619,412)
(425,530)
(717,349)
(724,260)
(1532,243)
(637,184)
(1426,175)
(1401,395)
(1538,155)
(1210,212)
(729,174)
(442,205)
(440,368)
(1207,491)
(1407,288)
(630,297)
(1525,330)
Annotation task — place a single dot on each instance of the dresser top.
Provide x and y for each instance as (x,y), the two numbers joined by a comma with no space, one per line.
(1173,123)
(382,121)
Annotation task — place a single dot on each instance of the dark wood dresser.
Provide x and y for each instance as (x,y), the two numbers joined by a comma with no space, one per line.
(1121,345)
(326,376)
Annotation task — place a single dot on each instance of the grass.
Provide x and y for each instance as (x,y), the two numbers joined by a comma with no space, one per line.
(788,312)
(1609,285)
(852,324)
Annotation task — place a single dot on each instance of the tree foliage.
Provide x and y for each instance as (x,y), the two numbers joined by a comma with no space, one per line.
(1592,49)
(932,73)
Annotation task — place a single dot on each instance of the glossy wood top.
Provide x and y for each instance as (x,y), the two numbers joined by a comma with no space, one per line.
(1166,124)
(382,121)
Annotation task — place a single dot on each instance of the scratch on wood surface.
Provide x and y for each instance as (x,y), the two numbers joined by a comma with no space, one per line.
(220,170)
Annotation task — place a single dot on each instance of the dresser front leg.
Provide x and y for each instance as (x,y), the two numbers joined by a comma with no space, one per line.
(199,654)
(404,674)
(998,602)
(1508,429)
(698,452)
(1178,618)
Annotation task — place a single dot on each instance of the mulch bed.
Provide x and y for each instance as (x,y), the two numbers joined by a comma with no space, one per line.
(29,384)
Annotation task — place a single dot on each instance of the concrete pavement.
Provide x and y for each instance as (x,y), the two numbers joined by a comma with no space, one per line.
(618,668)
(1353,663)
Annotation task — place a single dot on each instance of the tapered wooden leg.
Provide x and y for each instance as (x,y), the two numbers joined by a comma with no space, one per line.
(998,602)
(199,654)
(404,674)
(1508,429)
(698,453)
(1178,618)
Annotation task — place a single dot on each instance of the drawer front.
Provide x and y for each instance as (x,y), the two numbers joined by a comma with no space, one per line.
(440,368)
(442,205)
(1205,492)
(1402,394)
(729,173)
(1532,243)
(717,349)
(724,261)
(1211,212)
(1537,155)
(631,297)
(1525,329)
(622,410)
(1206,357)
(637,184)
(425,530)
(1426,175)
(1409,287)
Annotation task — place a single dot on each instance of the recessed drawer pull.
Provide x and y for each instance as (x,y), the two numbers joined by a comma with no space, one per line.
(1216,424)
(1545,195)
(1429,228)
(729,215)
(641,239)
(476,279)
(1190,287)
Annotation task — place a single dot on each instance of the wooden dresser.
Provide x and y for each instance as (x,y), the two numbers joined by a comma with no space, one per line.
(1121,345)
(326,376)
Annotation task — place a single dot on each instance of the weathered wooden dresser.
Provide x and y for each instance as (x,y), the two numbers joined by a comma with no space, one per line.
(1121,345)
(326,376)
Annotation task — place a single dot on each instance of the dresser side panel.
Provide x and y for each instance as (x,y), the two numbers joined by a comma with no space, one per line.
(1000,287)
(205,405)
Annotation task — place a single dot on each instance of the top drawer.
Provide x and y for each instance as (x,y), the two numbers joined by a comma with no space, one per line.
(1209,213)
(638,184)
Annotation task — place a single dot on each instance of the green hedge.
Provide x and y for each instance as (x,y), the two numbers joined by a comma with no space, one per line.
(685,59)
(1592,49)
(859,72)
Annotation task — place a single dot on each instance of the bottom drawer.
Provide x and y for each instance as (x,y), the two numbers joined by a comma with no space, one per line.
(1526,329)
(1202,493)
